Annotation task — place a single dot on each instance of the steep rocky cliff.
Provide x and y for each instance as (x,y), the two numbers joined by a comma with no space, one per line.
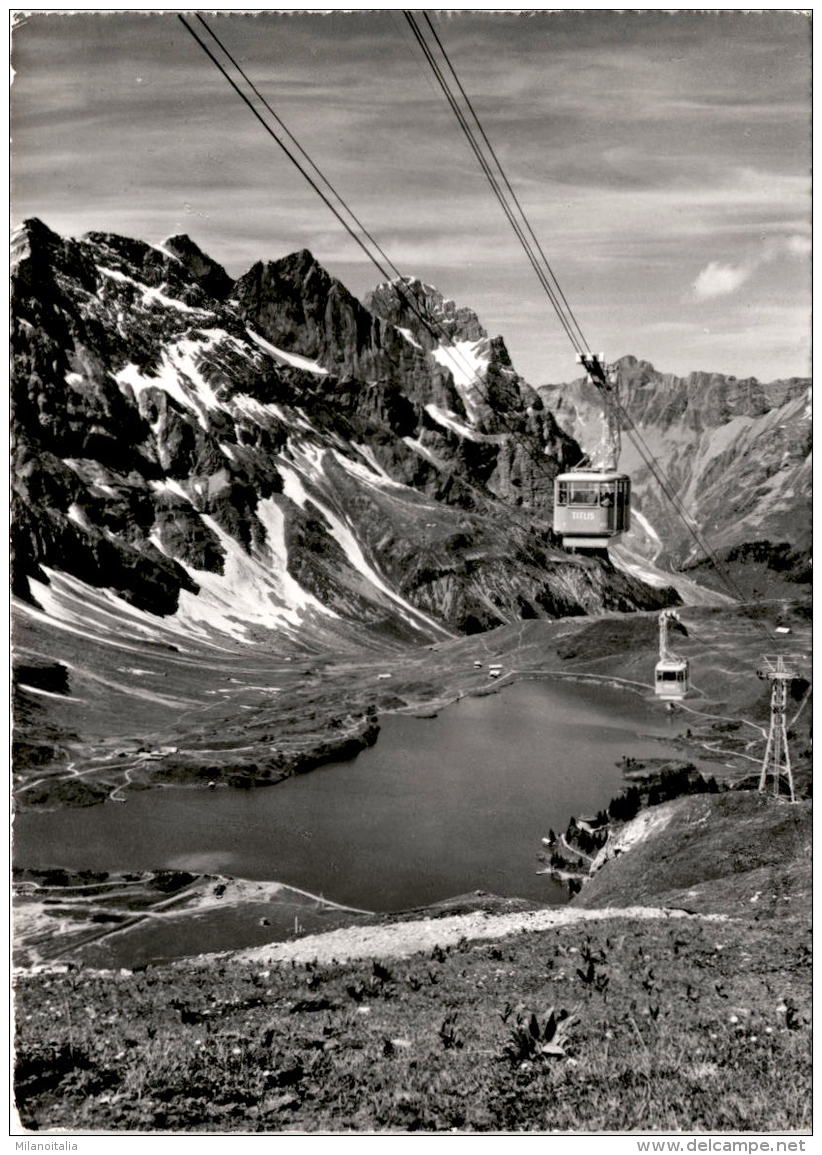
(272,454)
(735,452)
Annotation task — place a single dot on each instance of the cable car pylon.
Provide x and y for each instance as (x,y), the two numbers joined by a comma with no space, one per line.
(779,673)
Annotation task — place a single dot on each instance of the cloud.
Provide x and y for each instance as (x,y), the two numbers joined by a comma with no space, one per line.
(799,246)
(718,280)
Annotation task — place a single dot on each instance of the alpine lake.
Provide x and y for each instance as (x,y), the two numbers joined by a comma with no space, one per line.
(440,806)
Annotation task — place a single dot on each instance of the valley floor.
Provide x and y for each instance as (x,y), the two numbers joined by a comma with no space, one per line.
(252,718)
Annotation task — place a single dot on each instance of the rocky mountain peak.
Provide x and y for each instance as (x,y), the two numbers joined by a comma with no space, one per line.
(408,303)
(286,301)
(32,235)
(276,457)
(200,267)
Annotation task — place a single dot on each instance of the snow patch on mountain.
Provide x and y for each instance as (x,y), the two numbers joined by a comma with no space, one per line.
(153,296)
(344,535)
(76,515)
(452,422)
(294,359)
(468,362)
(71,605)
(376,475)
(646,525)
(629,561)
(417,446)
(409,336)
(169,485)
(272,519)
(253,590)
(180,375)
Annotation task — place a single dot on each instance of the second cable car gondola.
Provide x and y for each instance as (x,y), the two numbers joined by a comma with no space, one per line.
(671,680)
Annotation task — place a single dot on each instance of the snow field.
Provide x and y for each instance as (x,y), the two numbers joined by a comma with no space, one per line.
(252,590)
(153,296)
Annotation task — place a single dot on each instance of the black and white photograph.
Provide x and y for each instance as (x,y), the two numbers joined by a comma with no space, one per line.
(411,603)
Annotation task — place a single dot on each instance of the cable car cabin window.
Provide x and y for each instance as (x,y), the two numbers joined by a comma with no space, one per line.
(584,493)
(670,676)
(562,493)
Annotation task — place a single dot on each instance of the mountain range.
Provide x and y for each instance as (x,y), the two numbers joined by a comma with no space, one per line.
(218,483)
(270,453)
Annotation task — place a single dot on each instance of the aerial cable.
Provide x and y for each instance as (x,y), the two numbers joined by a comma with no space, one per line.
(514,197)
(299,147)
(492,180)
(426,322)
(284,147)
(640,444)
(433,328)
(486,168)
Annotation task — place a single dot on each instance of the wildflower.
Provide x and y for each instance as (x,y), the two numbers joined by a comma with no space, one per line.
(733,1019)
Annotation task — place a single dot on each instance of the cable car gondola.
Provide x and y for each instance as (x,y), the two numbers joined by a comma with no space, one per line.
(591,507)
(671,679)
(592,503)
(671,671)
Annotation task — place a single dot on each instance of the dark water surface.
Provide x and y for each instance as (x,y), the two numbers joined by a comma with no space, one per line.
(438,807)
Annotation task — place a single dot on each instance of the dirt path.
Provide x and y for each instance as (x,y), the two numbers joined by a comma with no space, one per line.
(402,939)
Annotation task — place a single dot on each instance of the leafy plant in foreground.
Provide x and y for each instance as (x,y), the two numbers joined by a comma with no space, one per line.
(450,1037)
(529,1039)
(591,977)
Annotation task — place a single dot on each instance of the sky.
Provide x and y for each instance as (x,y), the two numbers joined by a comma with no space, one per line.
(663,160)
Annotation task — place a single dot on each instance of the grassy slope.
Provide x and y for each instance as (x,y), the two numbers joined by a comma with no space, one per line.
(695,1024)
(717,853)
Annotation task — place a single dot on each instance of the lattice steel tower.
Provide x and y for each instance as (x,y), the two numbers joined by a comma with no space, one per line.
(780,673)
